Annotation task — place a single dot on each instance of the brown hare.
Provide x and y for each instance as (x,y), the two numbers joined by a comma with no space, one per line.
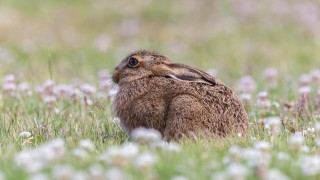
(175,99)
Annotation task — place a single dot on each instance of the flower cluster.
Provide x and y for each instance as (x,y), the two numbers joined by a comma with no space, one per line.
(14,88)
(142,154)
(35,160)
(51,93)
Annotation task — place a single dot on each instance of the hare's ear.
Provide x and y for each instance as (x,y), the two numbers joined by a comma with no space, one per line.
(184,73)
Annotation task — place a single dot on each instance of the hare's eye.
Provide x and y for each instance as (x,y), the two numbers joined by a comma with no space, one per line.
(133,62)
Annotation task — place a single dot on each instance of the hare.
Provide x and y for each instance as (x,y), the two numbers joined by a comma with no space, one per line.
(175,99)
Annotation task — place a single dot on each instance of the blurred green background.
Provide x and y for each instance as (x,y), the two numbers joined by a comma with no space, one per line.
(74,39)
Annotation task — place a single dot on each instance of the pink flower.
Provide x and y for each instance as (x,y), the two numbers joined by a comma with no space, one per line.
(262,100)
(105,85)
(10,78)
(304,90)
(315,74)
(305,79)
(271,74)
(48,87)
(88,89)
(246,84)
(63,91)
(104,75)
(9,87)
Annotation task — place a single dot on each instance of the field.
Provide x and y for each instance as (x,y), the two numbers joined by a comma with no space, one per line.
(56,56)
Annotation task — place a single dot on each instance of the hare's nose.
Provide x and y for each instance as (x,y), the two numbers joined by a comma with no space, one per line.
(116,76)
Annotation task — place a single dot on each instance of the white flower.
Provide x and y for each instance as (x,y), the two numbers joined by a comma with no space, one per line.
(235,153)
(310,165)
(296,141)
(263,146)
(120,156)
(115,174)
(180,177)
(317,141)
(317,128)
(49,99)
(39,176)
(29,161)
(113,91)
(80,175)
(310,130)
(219,176)
(275,174)
(168,147)
(116,158)
(87,101)
(86,144)
(237,171)
(282,156)
(256,157)
(60,172)
(53,150)
(24,86)
(96,172)
(25,134)
(81,153)
(115,120)
(130,149)
(273,125)
(145,160)
(34,160)
(275,104)
(245,97)
(147,136)
(305,149)
(173,147)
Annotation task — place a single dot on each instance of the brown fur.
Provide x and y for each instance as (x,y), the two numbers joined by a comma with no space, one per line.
(185,106)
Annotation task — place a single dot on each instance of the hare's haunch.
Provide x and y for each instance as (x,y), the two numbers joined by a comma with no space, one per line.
(176,99)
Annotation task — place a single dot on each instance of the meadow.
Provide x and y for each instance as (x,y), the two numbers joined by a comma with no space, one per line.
(56,118)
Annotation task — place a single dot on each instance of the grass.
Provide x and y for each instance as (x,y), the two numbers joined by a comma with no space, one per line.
(71,41)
